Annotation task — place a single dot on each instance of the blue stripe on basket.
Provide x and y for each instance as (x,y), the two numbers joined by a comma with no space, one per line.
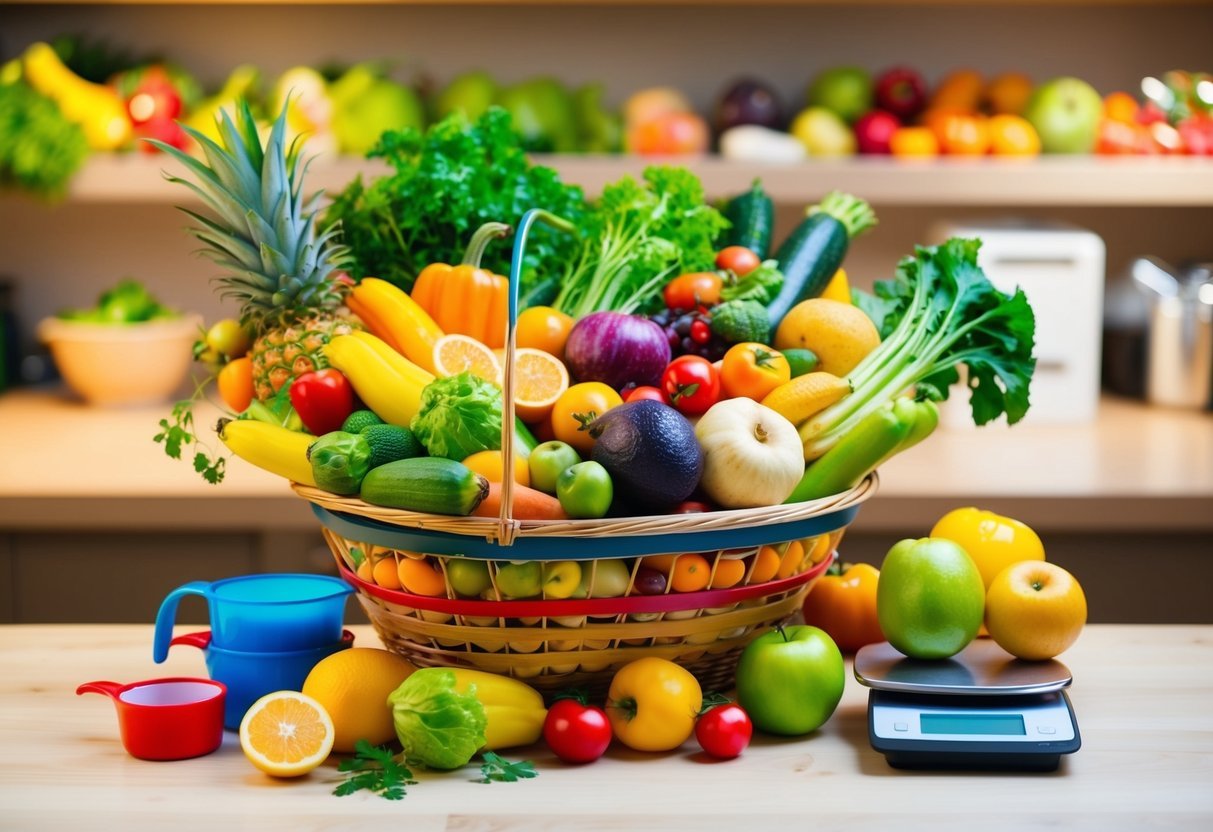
(364,530)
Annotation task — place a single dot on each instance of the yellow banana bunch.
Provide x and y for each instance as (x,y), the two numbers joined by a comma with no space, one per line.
(276,449)
(96,108)
(397,319)
(514,710)
(384,379)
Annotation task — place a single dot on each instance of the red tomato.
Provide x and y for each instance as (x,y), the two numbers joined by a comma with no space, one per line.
(692,384)
(693,289)
(725,731)
(323,399)
(737,259)
(577,732)
(638,393)
(691,507)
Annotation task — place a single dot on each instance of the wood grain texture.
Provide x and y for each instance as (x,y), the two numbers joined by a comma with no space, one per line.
(1141,694)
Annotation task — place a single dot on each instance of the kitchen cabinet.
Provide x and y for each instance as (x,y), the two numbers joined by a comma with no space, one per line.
(1132,486)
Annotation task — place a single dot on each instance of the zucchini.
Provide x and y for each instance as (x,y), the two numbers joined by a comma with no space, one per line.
(524,440)
(812,253)
(752,215)
(430,484)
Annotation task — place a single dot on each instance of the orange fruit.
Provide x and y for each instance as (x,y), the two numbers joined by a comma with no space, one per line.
(385,574)
(454,354)
(1013,136)
(366,570)
(1035,610)
(766,564)
(421,577)
(729,572)
(793,560)
(1120,107)
(353,685)
(491,466)
(235,383)
(964,135)
(959,90)
(691,573)
(839,334)
(543,328)
(1008,93)
(286,733)
(914,142)
(539,380)
(661,563)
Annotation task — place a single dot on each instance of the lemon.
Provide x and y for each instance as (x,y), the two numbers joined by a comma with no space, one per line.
(286,734)
(839,333)
(353,686)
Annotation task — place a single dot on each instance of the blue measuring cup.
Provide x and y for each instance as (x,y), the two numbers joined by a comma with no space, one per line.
(270,613)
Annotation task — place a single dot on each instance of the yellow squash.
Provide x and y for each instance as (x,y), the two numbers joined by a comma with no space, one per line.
(396,318)
(514,710)
(96,108)
(275,449)
(384,379)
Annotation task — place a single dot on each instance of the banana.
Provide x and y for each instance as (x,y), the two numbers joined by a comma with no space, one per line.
(388,382)
(276,449)
(398,319)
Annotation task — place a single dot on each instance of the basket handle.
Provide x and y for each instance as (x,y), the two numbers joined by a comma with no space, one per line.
(505,521)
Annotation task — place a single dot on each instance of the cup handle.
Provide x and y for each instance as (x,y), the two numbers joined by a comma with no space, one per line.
(110,689)
(200,640)
(166,616)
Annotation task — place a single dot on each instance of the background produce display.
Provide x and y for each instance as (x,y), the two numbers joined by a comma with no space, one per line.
(117,97)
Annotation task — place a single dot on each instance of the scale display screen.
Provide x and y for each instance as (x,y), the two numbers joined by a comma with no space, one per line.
(961,723)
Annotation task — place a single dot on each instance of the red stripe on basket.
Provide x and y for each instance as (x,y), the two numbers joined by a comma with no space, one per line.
(670,602)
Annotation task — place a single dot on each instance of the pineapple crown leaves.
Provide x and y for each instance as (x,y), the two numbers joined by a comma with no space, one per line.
(264,236)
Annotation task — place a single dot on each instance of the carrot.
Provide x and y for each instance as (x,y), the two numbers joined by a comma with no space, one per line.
(529,504)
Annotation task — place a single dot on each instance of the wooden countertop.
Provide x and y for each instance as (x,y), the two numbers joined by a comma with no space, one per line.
(66,465)
(1141,695)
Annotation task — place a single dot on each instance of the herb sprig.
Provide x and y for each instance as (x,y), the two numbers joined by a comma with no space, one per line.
(375,769)
(497,769)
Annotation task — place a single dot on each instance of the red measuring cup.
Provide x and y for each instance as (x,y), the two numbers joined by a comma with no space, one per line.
(166,719)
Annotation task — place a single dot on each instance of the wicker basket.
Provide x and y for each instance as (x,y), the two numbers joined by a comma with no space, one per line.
(581,641)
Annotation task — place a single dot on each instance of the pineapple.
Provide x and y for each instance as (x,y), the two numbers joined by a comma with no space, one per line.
(277,265)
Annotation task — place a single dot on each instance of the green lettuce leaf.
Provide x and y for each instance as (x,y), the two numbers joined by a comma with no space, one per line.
(459,416)
(438,727)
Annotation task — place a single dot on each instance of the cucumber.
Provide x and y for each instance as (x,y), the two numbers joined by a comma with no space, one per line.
(752,215)
(524,440)
(430,484)
(812,253)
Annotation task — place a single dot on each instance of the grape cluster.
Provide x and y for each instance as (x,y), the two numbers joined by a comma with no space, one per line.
(690,333)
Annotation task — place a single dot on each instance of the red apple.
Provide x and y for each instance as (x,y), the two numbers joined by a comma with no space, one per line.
(874,130)
(902,92)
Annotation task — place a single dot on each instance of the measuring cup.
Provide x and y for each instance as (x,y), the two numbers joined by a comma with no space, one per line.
(250,676)
(166,719)
(270,613)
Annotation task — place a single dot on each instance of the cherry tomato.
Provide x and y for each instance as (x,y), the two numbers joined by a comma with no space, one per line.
(691,507)
(737,259)
(688,291)
(725,731)
(692,384)
(638,393)
(577,732)
(753,370)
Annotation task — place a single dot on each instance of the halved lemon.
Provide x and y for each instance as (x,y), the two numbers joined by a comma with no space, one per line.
(286,733)
(454,354)
(539,379)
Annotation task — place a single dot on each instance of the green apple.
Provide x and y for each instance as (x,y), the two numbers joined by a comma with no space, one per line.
(1066,113)
(548,461)
(844,90)
(468,577)
(790,680)
(611,578)
(520,580)
(930,598)
(561,578)
(471,93)
(585,490)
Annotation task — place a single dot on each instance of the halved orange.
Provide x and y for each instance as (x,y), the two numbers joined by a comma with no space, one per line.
(539,379)
(286,733)
(454,354)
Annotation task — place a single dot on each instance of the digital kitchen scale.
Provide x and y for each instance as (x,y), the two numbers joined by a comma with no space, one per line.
(982,708)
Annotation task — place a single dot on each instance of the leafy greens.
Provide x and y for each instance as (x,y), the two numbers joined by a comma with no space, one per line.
(438,726)
(445,184)
(939,311)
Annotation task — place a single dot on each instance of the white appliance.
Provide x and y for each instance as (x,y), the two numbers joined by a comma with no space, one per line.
(1061,270)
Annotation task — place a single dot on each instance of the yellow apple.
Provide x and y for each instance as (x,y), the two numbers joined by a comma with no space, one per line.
(1035,610)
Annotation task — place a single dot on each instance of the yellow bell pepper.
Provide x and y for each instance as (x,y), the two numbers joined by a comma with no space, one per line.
(993,542)
(467,299)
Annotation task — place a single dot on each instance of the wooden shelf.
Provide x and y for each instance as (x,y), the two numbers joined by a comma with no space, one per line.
(1136,467)
(1097,181)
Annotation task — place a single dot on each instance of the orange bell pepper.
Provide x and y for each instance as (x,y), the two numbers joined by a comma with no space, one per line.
(467,299)
(844,605)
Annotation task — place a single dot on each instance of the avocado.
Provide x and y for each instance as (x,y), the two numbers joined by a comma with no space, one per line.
(651,453)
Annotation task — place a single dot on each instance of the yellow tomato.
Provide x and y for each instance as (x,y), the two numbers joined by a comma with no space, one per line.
(576,407)
(753,370)
(993,542)
(491,466)
(544,328)
(1035,610)
(653,703)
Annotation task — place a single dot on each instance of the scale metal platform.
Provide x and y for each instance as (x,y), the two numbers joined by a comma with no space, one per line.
(980,709)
